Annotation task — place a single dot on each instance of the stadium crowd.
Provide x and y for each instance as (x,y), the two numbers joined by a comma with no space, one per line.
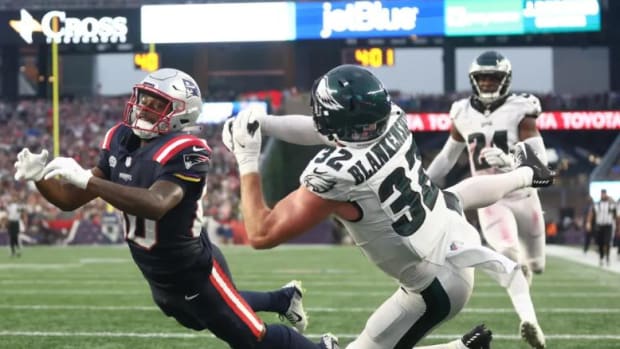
(83,122)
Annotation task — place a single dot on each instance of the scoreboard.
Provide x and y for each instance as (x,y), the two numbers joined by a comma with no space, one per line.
(373,57)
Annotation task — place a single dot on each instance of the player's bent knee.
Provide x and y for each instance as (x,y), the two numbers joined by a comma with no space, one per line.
(537,266)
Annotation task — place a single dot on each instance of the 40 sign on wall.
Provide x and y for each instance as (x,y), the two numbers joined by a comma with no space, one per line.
(69,27)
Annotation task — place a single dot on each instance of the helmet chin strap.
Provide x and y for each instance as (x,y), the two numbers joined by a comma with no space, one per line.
(140,127)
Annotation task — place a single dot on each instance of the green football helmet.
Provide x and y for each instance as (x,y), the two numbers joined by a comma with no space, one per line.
(494,64)
(350,104)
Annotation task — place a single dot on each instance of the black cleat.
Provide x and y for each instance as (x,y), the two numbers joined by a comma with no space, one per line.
(525,156)
(329,341)
(478,338)
(532,334)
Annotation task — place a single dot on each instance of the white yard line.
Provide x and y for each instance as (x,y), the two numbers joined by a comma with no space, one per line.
(576,254)
(311,335)
(45,307)
(388,286)
(344,294)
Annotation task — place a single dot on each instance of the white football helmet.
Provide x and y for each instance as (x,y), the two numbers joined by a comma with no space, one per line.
(491,63)
(172,86)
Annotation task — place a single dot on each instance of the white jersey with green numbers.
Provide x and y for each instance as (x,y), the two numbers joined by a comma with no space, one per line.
(401,223)
(497,127)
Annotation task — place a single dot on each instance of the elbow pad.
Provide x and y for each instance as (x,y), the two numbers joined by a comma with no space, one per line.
(445,160)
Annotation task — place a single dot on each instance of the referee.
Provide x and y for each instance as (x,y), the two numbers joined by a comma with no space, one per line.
(604,214)
(14,212)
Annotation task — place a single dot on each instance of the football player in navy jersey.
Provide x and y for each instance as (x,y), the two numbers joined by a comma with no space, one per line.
(155,173)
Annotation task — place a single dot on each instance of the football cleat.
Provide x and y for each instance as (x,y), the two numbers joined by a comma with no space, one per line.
(532,334)
(295,314)
(329,341)
(525,156)
(478,338)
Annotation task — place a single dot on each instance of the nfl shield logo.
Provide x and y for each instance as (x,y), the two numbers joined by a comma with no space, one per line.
(128,161)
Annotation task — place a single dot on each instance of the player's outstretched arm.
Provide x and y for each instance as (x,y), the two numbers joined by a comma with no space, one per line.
(31,167)
(65,195)
(151,203)
(447,157)
(295,129)
(290,217)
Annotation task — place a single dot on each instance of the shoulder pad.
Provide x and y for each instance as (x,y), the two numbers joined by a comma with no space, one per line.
(529,103)
(113,132)
(177,144)
(457,108)
(326,175)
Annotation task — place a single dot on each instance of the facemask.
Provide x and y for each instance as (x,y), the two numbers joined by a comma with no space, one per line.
(140,127)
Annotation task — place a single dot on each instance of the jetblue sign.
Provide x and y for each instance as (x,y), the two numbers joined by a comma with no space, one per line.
(366,19)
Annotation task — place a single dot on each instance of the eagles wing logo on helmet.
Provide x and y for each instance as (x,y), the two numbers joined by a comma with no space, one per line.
(324,95)
(317,183)
(190,88)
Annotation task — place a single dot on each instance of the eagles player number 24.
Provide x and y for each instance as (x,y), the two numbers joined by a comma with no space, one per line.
(500,140)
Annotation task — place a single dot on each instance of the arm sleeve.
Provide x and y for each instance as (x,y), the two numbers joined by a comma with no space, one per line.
(295,129)
(538,146)
(445,160)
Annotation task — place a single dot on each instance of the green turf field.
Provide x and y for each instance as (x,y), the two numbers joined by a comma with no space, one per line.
(94,297)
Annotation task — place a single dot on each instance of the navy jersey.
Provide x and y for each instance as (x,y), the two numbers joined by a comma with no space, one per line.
(173,243)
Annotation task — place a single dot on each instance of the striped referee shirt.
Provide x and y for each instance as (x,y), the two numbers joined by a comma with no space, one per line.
(14,212)
(605,212)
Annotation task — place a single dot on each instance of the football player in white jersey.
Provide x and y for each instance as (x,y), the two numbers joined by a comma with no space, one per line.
(372,180)
(488,124)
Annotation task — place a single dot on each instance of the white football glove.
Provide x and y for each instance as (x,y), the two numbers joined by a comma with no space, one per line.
(242,136)
(497,158)
(29,166)
(69,170)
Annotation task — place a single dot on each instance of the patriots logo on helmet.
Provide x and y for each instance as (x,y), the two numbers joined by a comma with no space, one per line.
(190,88)
(192,159)
(317,183)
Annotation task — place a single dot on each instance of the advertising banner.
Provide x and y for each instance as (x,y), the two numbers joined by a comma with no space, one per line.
(230,22)
(547,121)
(367,19)
(545,16)
(467,17)
(70,27)
(287,21)
(516,17)
(218,112)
